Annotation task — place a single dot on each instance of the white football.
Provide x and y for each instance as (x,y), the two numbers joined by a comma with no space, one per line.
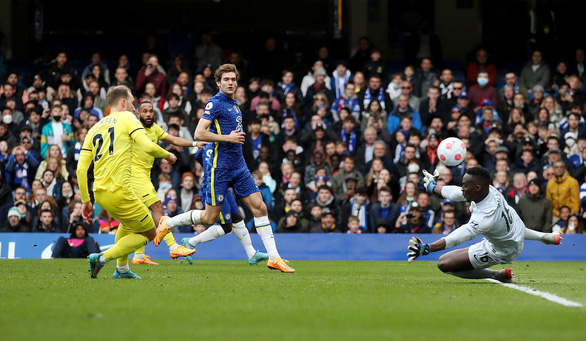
(451,151)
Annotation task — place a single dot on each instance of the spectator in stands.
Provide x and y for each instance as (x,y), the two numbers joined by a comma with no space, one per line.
(535,209)
(20,168)
(482,90)
(403,109)
(317,70)
(432,106)
(287,86)
(47,223)
(325,198)
(446,84)
(79,244)
(58,67)
(481,63)
(150,74)
(412,221)
(328,224)
(536,72)
(519,190)
(291,223)
(384,211)
(338,180)
(57,132)
(315,213)
(447,223)
(425,77)
(563,190)
(575,225)
(19,92)
(14,223)
(362,55)
(10,94)
(375,91)
(375,66)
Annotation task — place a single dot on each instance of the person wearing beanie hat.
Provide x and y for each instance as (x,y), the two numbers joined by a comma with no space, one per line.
(14,223)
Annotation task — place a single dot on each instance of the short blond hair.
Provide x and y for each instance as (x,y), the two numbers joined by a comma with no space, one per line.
(116,94)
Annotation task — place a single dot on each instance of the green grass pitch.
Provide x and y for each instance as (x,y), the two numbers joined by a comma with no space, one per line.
(324,300)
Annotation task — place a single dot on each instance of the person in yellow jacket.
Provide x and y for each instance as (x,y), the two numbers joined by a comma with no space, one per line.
(563,190)
(109,144)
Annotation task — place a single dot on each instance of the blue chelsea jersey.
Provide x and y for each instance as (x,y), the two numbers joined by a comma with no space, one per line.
(225,115)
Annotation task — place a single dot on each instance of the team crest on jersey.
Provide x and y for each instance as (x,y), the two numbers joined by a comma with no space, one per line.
(220,198)
(237,109)
(209,105)
(228,216)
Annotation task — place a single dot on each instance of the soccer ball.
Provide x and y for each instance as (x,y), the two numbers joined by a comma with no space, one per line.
(451,151)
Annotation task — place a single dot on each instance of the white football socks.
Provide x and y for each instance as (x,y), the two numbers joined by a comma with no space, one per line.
(210,234)
(188,218)
(123,268)
(265,231)
(241,232)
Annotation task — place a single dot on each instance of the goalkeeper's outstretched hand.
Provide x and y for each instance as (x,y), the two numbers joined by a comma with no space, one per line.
(430,181)
(417,249)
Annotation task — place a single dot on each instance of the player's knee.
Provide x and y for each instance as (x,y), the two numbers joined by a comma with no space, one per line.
(261,210)
(227,227)
(236,218)
(443,264)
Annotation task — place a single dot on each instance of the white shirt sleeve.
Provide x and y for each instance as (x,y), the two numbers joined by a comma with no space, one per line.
(453,193)
(462,234)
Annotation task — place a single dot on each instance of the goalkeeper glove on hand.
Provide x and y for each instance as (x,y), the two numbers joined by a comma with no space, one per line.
(417,249)
(429,181)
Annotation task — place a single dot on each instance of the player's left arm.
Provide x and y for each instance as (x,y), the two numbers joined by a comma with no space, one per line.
(462,234)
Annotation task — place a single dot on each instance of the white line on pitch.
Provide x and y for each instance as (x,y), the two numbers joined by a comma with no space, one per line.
(548,296)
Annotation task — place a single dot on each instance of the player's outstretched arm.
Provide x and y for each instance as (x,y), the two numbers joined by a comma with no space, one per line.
(181,142)
(203,134)
(417,248)
(149,146)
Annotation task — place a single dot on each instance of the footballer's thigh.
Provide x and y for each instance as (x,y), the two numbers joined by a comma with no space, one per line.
(145,191)
(124,206)
(455,261)
(245,187)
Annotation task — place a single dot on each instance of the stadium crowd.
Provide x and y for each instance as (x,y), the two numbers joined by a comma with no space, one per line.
(338,146)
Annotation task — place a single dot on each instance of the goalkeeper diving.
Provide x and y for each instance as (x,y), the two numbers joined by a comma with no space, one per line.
(491,216)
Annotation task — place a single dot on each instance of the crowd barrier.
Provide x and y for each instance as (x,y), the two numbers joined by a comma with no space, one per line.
(296,247)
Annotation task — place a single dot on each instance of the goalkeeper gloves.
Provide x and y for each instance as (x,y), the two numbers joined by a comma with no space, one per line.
(429,181)
(417,249)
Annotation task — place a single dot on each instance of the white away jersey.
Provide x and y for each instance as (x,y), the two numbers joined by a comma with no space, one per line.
(493,218)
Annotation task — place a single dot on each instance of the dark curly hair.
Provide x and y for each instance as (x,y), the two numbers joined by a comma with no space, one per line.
(480,172)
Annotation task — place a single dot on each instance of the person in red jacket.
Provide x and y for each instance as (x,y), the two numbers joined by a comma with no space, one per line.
(150,74)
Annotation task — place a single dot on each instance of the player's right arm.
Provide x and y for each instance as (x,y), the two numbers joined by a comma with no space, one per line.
(202,133)
(86,156)
(453,193)
(137,133)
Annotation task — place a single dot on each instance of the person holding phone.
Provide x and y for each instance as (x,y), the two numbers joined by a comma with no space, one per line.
(412,221)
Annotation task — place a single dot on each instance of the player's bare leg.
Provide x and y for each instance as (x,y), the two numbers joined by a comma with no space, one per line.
(175,250)
(458,264)
(265,231)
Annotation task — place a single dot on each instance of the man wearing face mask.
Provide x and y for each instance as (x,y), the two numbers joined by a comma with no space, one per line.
(482,90)
(56,132)
(8,119)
